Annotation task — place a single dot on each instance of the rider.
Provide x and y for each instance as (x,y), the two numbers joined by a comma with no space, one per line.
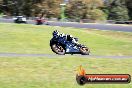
(56,34)
(72,39)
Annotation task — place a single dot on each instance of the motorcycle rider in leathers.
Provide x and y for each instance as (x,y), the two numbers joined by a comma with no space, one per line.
(56,34)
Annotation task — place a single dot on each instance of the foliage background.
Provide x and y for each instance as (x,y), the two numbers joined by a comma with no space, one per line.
(75,9)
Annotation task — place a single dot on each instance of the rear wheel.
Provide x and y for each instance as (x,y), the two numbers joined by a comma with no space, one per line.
(84,51)
(58,49)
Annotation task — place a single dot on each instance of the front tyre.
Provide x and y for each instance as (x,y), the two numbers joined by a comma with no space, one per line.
(58,49)
(84,51)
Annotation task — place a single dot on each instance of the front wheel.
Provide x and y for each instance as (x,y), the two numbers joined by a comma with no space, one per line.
(84,51)
(58,49)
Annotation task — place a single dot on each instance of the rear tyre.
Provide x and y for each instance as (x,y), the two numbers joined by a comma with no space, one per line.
(58,49)
(84,51)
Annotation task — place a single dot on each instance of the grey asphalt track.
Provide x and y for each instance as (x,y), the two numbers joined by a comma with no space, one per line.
(55,55)
(100,26)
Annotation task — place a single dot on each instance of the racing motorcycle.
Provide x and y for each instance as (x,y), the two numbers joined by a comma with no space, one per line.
(62,45)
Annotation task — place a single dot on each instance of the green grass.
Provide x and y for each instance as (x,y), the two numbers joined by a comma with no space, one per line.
(35,39)
(60,71)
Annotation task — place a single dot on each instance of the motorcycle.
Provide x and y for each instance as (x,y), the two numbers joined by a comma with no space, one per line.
(62,45)
(41,21)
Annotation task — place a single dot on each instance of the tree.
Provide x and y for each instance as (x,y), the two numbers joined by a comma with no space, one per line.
(96,14)
(85,9)
(129,6)
(50,8)
(76,10)
(13,7)
(1,1)
(118,13)
(116,10)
